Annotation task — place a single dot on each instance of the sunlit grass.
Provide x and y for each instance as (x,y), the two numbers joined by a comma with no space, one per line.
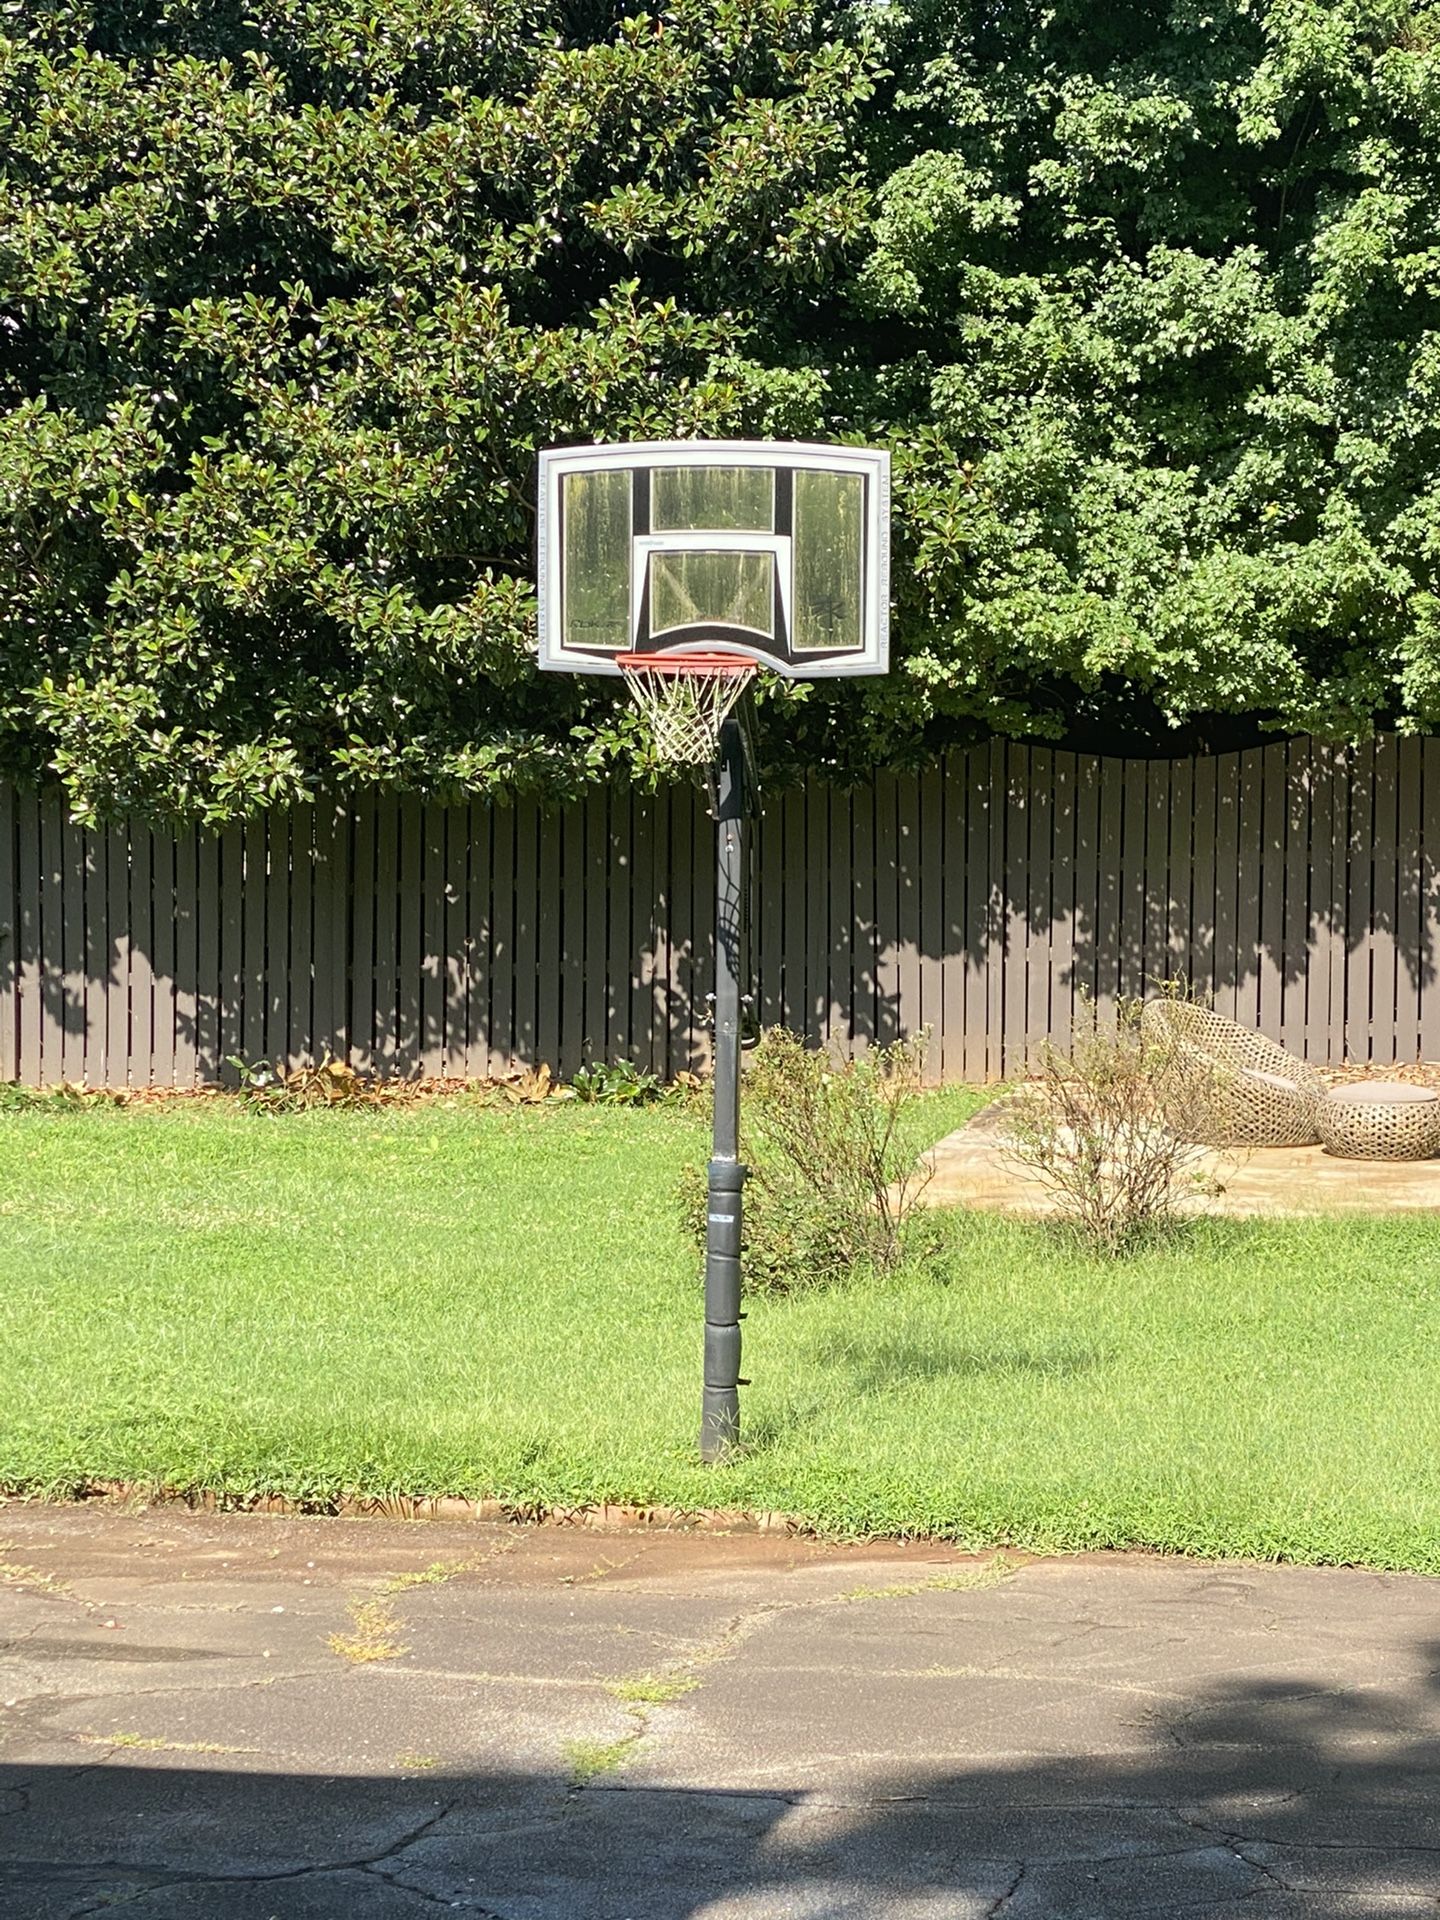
(459,1301)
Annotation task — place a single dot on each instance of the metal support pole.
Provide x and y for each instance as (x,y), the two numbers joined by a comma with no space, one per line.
(720,1418)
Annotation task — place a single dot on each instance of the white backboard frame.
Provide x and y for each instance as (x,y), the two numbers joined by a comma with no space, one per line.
(872,464)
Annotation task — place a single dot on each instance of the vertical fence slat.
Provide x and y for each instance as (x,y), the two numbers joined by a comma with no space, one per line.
(817,913)
(963,1045)
(1109,934)
(547,1010)
(1159,853)
(9,941)
(1062,903)
(253,895)
(456,951)
(72,951)
(328,943)
(621,888)
(29,939)
(1430,900)
(770,833)
(410,939)
(922,853)
(477,1017)
(232,950)
(641,959)
(142,1046)
(162,887)
(897,986)
(296,952)
(1271,870)
(1084,967)
(1360,877)
(1177,879)
(1039,914)
(572,944)
(97,945)
(996,911)
(386,1047)
(839,911)
(52,941)
(1201,969)
(859,1020)
(964,982)
(1248,887)
(1227,879)
(597,929)
(287,945)
(1299,807)
(1319,930)
(1132,879)
(1341,762)
(364,982)
(1383,902)
(207,956)
(434,973)
(897,852)
(527,860)
(187,957)
(701,973)
(1016,884)
(1408,963)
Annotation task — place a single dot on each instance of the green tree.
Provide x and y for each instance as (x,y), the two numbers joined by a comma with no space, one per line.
(1143,297)
(293,291)
(1158,286)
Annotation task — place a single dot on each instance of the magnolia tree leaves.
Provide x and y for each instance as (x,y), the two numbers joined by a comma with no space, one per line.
(1143,300)
(294,292)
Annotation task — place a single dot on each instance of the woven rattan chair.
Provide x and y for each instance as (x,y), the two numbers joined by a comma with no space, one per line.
(1380,1120)
(1258,1094)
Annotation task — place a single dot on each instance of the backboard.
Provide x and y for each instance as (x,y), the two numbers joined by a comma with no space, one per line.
(773,551)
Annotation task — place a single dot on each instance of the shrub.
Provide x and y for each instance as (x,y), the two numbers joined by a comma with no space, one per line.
(622,1084)
(833,1175)
(1111,1127)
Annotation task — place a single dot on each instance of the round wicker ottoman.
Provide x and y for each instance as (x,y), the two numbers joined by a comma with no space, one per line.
(1380,1120)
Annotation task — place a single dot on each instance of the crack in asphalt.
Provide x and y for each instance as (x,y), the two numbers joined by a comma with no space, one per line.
(1213,1834)
(158,1878)
(998,1906)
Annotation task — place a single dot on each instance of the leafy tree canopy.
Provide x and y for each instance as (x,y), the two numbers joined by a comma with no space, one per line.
(295,290)
(1143,297)
(1166,276)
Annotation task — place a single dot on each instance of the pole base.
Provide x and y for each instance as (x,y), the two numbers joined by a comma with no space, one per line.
(719,1425)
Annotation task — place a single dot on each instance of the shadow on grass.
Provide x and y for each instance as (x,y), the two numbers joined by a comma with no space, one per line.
(892,1362)
(1278,1798)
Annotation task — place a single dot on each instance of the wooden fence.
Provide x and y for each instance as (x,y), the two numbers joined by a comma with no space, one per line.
(1298,884)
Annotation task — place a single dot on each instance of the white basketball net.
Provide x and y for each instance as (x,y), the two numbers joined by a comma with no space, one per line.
(686,701)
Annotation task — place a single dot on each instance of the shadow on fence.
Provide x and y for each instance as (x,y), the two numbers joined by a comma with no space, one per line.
(1296,884)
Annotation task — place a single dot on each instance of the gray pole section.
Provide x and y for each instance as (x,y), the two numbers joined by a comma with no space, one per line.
(720,1418)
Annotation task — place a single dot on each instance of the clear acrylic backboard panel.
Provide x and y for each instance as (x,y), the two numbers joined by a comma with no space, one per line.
(775,551)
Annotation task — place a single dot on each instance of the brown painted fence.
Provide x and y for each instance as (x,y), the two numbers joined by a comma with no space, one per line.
(1298,884)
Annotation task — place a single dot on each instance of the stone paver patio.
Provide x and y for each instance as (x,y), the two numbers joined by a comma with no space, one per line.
(971,1169)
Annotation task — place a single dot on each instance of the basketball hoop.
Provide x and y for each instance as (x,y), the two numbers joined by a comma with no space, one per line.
(686,699)
(684,566)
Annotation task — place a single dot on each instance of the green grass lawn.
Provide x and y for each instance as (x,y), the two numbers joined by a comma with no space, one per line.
(449,1299)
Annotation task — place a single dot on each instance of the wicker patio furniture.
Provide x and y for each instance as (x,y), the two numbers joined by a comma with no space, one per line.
(1258,1095)
(1380,1120)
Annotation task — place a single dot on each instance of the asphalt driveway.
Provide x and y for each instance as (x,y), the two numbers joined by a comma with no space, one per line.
(253,1718)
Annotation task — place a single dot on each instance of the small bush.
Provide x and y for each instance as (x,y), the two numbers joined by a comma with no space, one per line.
(833,1177)
(622,1084)
(1110,1129)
